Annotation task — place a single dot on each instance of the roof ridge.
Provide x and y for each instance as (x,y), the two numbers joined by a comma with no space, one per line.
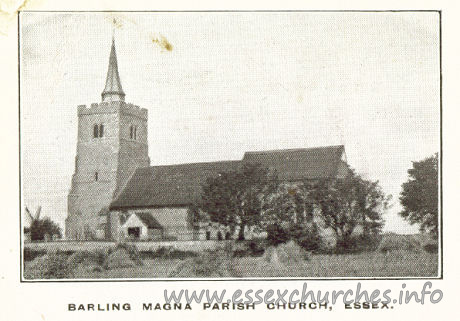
(293,149)
(195,163)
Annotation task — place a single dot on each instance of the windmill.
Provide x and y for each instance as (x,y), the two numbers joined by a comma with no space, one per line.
(33,218)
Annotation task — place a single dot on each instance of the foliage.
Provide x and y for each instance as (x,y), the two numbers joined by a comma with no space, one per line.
(253,248)
(277,235)
(236,197)
(419,196)
(288,214)
(287,206)
(431,248)
(97,257)
(167,252)
(394,242)
(307,236)
(130,249)
(216,263)
(358,244)
(194,216)
(291,252)
(41,227)
(119,258)
(347,203)
(30,254)
(53,265)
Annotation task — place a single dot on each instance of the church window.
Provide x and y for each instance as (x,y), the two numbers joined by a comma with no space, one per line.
(101,130)
(133,132)
(96,176)
(96,131)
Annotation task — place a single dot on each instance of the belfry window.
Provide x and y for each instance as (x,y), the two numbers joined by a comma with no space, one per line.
(133,132)
(96,176)
(98,130)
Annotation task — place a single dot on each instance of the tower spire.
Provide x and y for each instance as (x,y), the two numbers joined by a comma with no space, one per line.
(113,90)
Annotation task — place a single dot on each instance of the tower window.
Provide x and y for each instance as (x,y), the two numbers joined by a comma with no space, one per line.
(133,132)
(98,130)
(96,176)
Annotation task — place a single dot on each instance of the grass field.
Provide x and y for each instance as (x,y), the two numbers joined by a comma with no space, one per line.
(397,264)
(397,256)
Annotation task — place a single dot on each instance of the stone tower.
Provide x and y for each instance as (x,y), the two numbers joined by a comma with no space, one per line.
(112,143)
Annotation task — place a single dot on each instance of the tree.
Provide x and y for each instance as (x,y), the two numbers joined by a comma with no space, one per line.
(419,195)
(236,197)
(42,227)
(288,215)
(286,207)
(193,216)
(346,203)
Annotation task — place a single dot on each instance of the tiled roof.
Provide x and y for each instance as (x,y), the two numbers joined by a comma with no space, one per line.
(149,220)
(299,164)
(171,185)
(180,185)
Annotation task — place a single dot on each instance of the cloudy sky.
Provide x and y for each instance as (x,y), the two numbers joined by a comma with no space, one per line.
(235,82)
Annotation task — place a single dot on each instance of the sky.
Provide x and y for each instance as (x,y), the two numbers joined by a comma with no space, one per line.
(235,82)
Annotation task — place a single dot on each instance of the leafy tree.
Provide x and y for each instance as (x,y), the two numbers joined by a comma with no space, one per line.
(288,215)
(344,204)
(39,228)
(419,196)
(193,216)
(236,197)
(286,207)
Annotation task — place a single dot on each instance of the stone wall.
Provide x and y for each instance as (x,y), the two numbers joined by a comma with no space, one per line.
(103,164)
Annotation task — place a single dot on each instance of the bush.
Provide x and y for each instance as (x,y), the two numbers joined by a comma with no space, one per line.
(307,236)
(50,266)
(358,244)
(130,249)
(97,257)
(431,248)
(252,248)
(119,258)
(276,235)
(291,252)
(40,228)
(394,242)
(30,254)
(167,252)
(208,264)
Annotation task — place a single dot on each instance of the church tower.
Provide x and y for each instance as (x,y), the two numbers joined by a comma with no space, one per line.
(111,144)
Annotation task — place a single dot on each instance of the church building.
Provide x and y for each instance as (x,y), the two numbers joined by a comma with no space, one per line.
(116,194)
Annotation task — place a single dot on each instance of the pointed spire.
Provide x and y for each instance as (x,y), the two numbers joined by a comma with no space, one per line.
(113,90)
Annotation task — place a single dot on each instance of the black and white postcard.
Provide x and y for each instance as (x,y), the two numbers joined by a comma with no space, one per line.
(239,151)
